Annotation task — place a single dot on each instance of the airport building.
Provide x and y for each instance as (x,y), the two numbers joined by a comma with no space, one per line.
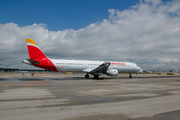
(22,70)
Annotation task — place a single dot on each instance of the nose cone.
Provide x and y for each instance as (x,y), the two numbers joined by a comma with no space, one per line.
(138,68)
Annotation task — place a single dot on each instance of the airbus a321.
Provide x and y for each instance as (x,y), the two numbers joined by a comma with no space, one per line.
(96,68)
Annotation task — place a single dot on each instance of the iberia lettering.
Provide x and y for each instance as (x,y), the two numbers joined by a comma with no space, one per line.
(117,63)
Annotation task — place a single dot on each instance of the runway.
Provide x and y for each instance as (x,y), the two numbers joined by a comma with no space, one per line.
(72,97)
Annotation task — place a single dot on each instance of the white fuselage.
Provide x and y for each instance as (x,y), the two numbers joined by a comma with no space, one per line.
(81,65)
(96,68)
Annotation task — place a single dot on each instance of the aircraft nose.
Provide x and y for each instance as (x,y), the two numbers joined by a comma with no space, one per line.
(138,68)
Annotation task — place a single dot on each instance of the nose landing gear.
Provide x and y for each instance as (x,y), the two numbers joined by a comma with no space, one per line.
(130,76)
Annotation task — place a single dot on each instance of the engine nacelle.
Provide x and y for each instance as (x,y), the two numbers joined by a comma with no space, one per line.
(112,72)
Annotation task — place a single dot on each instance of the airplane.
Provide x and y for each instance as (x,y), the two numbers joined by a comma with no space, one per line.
(96,68)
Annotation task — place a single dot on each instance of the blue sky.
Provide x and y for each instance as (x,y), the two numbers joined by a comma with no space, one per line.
(146,32)
(59,14)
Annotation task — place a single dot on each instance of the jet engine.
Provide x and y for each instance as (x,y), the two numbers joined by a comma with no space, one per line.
(112,72)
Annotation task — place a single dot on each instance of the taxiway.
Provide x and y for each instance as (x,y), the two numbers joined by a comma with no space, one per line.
(66,97)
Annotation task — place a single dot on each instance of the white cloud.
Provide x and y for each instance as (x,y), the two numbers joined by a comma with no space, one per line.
(169,60)
(148,31)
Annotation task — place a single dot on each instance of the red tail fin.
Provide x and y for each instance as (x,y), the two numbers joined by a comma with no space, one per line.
(34,51)
(37,57)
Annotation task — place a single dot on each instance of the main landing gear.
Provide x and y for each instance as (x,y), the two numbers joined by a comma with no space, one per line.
(87,76)
(130,76)
(96,76)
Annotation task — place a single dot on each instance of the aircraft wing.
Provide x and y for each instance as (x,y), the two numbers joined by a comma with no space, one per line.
(100,69)
(88,70)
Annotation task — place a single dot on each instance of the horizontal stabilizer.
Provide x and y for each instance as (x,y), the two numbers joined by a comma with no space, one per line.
(30,61)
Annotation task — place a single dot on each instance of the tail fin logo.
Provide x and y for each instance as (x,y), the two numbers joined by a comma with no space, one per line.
(34,51)
(31,42)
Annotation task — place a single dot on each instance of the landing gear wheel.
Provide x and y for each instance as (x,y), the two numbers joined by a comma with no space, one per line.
(130,76)
(96,76)
(86,76)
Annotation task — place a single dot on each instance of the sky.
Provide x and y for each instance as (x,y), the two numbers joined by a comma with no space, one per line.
(59,14)
(146,32)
